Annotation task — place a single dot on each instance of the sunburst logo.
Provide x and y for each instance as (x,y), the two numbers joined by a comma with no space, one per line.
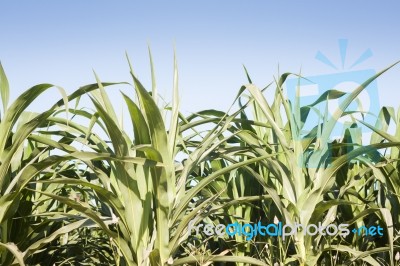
(344,78)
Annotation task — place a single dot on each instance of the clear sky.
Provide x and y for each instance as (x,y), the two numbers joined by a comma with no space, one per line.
(60,42)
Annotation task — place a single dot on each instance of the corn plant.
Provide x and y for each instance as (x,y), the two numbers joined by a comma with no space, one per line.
(23,159)
(309,195)
(147,197)
(77,187)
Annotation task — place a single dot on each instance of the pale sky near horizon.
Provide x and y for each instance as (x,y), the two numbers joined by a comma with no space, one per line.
(60,42)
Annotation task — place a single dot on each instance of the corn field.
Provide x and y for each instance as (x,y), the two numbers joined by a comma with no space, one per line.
(77,188)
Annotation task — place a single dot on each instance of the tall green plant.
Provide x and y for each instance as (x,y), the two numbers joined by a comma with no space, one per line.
(149,194)
(302,194)
(24,159)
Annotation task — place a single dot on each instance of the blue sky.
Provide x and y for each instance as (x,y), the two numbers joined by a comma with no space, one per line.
(60,42)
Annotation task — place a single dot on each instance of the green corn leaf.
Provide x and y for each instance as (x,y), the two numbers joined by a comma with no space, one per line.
(4,88)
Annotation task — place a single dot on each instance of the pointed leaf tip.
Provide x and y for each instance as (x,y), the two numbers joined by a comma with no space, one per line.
(4,88)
